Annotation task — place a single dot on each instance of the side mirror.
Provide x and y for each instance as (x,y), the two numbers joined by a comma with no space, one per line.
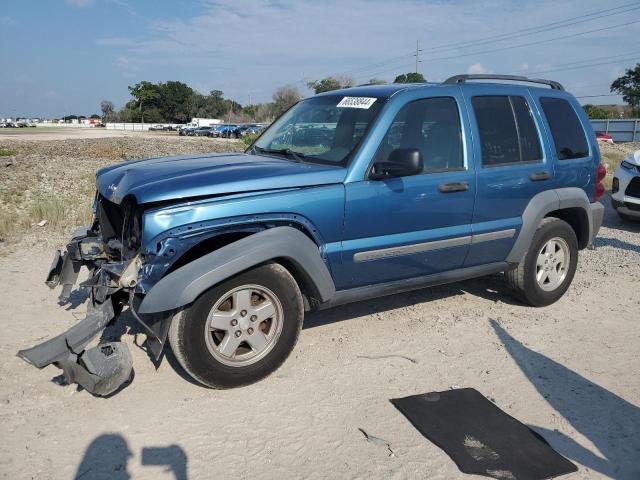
(402,162)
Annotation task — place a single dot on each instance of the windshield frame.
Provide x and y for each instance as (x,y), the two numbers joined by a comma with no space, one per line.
(301,157)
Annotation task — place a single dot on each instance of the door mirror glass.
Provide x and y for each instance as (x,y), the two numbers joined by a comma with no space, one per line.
(401,162)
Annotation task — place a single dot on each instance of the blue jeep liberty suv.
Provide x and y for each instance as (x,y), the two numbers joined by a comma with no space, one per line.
(350,194)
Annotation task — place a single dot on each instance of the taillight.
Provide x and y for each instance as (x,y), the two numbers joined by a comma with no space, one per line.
(601,172)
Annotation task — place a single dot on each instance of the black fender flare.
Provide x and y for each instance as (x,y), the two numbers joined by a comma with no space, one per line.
(182,286)
(542,204)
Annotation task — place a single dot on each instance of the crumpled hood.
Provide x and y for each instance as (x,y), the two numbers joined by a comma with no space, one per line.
(183,177)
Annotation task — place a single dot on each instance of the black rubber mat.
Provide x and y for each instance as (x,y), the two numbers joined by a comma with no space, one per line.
(480,438)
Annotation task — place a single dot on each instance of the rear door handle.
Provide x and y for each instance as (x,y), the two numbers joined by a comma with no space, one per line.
(453,187)
(539,176)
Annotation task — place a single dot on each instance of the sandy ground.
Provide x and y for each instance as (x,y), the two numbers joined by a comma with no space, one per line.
(569,370)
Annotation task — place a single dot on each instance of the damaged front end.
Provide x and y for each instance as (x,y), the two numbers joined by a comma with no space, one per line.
(110,250)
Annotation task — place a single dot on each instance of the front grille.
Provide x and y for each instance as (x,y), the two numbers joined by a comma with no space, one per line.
(633,189)
(632,206)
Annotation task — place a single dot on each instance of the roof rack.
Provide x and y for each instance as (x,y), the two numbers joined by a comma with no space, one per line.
(515,78)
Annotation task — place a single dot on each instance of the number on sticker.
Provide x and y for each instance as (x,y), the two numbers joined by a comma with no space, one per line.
(356,102)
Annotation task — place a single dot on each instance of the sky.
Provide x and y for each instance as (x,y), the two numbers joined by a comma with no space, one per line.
(63,57)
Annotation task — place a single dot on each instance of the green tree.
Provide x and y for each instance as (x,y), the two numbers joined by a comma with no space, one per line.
(95,116)
(595,112)
(331,83)
(145,93)
(173,99)
(628,86)
(412,77)
(324,85)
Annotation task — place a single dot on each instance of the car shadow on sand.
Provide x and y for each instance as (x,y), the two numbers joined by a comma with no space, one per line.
(608,421)
(108,455)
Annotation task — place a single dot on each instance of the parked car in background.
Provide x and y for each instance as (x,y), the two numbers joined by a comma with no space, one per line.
(625,189)
(226,130)
(243,130)
(156,128)
(202,131)
(604,137)
(350,195)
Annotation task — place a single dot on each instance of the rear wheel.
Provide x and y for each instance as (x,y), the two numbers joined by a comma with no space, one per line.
(241,330)
(548,267)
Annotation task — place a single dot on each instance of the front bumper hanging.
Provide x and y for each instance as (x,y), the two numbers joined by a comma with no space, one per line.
(101,370)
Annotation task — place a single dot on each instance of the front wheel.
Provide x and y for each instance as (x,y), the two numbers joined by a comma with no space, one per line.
(548,267)
(240,331)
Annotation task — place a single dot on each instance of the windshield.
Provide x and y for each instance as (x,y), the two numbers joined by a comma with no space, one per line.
(324,129)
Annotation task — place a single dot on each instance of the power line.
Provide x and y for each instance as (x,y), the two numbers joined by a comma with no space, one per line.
(521,33)
(540,28)
(538,42)
(584,66)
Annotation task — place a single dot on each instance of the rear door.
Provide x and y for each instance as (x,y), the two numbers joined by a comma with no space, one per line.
(575,156)
(513,167)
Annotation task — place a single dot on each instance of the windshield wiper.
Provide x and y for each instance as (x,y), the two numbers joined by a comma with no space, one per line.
(297,156)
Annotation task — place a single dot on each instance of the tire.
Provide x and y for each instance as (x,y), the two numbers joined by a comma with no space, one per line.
(207,356)
(523,280)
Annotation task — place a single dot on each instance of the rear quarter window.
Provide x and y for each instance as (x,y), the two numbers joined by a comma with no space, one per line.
(508,134)
(566,129)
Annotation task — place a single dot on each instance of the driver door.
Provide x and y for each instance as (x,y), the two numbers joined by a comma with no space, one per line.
(404,227)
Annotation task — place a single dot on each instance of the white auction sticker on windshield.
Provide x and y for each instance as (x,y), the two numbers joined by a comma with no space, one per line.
(356,102)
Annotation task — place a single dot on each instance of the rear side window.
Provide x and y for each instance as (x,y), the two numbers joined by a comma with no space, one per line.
(508,134)
(566,129)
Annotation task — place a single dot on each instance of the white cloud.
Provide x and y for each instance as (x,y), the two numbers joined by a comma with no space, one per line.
(478,68)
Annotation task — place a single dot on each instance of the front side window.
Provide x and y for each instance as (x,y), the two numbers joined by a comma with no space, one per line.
(508,134)
(566,129)
(432,126)
(324,129)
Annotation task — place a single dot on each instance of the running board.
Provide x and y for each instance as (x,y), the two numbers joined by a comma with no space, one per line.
(342,297)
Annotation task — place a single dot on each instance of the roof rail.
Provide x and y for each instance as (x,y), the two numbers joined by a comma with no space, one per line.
(515,78)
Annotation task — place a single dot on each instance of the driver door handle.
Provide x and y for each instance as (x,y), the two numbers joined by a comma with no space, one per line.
(539,176)
(453,187)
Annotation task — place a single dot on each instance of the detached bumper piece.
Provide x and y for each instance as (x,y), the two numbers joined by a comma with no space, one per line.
(100,370)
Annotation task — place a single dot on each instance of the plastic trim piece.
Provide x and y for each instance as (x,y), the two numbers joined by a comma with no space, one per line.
(185,284)
(398,286)
(544,203)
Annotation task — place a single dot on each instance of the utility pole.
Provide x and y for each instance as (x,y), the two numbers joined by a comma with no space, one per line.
(418,50)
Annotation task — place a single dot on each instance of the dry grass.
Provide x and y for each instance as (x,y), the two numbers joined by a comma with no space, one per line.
(54,180)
